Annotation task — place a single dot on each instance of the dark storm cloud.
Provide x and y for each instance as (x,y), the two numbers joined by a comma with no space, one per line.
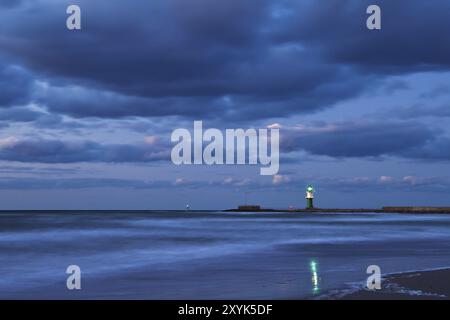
(15,85)
(370,184)
(39,119)
(436,150)
(80,102)
(414,34)
(289,183)
(337,140)
(20,114)
(5,169)
(75,183)
(269,58)
(441,111)
(359,139)
(56,151)
(10,3)
(83,183)
(151,48)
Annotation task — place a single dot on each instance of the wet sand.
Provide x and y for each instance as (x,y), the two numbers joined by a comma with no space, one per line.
(421,285)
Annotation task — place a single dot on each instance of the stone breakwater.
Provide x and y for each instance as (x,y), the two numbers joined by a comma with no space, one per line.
(423,210)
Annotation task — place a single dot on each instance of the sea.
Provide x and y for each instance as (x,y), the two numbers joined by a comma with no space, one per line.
(210,255)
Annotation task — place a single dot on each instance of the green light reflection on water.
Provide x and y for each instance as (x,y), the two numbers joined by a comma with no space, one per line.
(313,266)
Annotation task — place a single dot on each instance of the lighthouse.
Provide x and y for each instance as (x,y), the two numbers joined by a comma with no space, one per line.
(309,197)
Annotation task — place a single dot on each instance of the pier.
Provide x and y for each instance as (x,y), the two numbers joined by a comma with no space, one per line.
(420,210)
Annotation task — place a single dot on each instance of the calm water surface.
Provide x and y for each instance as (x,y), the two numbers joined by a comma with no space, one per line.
(210,255)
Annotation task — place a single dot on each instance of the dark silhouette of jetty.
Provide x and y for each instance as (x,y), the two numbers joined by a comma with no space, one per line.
(422,210)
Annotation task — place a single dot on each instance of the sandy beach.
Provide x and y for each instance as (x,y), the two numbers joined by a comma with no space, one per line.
(420,285)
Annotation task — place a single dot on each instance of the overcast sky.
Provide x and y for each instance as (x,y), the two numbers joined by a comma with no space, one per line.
(86,116)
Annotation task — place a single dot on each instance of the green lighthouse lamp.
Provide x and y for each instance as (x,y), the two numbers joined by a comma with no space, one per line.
(309,197)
